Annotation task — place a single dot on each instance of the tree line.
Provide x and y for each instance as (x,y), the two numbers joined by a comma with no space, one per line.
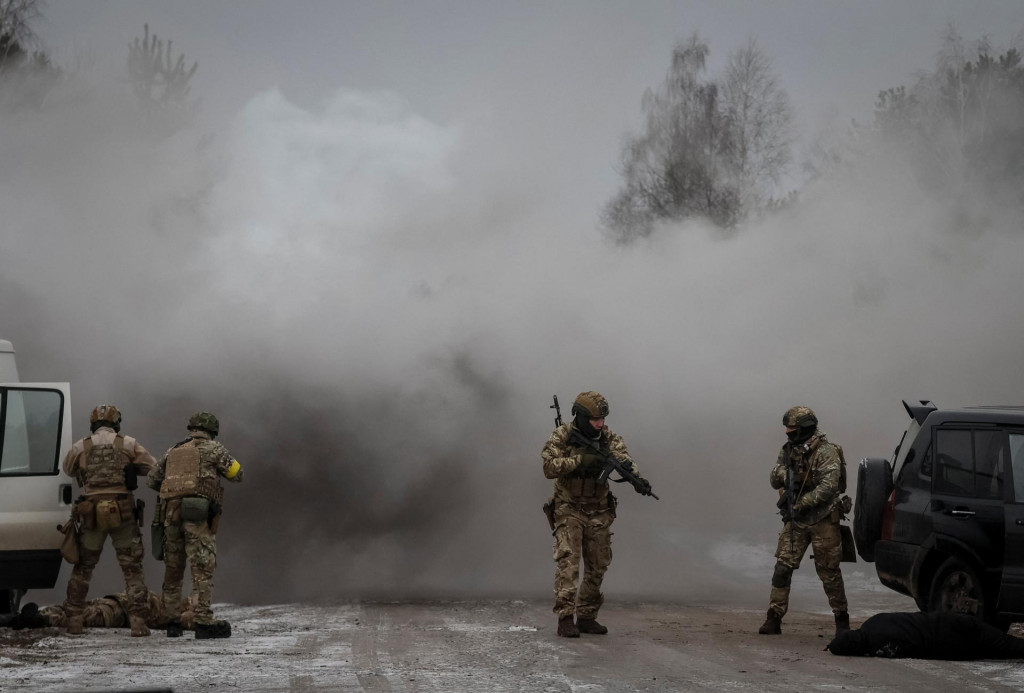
(159,81)
(717,148)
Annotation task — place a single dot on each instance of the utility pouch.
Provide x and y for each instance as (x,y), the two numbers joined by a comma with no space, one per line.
(156,532)
(85,511)
(69,544)
(195,509)
(108,515)
(849,548)
(549,512)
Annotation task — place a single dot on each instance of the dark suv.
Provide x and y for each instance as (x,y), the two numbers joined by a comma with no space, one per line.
(943,520)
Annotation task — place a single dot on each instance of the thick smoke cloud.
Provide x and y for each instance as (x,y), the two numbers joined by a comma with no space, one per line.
(379,313)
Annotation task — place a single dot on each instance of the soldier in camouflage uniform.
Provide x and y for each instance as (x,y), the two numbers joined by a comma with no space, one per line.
(105,612)
(188,481)
(815,474)
(581,511)
(106,465)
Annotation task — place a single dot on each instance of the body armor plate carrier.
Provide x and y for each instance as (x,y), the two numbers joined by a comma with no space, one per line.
(182,479)
(104,464)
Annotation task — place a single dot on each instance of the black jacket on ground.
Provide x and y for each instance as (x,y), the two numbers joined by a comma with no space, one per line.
(935,635)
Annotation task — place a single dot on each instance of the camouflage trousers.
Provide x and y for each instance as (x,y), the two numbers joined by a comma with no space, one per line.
(827,544)
(581,533)
(127,541)
(196,543)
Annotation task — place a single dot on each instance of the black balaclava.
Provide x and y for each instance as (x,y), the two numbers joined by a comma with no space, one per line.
(801,434)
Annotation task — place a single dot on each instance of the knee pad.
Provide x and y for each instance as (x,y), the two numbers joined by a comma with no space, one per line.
(782,576)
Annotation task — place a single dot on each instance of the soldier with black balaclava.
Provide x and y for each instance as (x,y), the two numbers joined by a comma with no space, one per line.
(809,475)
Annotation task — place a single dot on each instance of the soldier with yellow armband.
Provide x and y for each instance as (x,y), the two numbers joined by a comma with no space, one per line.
(185,528)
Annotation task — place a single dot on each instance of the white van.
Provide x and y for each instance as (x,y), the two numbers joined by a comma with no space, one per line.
(35,495)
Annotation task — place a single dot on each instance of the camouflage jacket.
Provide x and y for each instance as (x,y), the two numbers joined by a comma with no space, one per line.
(562,460)
(131,452)
(817,466)
(215,461)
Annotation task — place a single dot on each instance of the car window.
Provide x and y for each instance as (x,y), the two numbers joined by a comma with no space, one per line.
(971,462)
(31,431)
(954,463)
(991,462)
(1016,443)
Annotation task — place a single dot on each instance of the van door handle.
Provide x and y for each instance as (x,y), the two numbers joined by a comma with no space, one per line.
(65,494)
(1019,522)
(961,512)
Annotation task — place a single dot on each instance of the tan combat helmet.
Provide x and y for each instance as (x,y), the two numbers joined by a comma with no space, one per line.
(799,417)
(591,404)
(105,414)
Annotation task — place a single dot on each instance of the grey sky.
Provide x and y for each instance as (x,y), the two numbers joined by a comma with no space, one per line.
(561,81)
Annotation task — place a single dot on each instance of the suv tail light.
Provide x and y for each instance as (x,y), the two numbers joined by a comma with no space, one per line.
(888,514)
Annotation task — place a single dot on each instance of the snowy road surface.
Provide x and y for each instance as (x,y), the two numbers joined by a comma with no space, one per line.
(477,646)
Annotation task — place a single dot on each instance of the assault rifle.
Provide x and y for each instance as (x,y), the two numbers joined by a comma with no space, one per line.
(788,494)
(612,464)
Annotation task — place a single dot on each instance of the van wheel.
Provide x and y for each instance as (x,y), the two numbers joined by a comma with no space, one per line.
(874,484)
(956,587)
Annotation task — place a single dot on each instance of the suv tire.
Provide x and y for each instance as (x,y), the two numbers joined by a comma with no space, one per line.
(957,587)
(874,484)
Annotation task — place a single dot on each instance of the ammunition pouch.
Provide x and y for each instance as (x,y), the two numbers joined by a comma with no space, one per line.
(195,509)
(156,531)
(69,548)
(584,489)
(85,513)
(110,513)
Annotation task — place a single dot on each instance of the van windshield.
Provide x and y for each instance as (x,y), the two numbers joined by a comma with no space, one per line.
(31,431)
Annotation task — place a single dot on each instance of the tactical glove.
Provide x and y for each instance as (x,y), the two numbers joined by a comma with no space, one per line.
(589,462)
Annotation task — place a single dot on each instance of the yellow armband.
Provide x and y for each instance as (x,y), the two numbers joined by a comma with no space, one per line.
(232,470)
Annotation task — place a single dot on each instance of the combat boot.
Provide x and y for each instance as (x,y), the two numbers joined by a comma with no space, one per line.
(589,625)
(217,629)
(568,629)
(139,627)
(173,629)
(772,625)
(75,626)
(842,622)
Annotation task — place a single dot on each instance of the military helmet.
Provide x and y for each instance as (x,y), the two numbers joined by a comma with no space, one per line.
(799,417)
(204,421)
(590,404)
(105,413)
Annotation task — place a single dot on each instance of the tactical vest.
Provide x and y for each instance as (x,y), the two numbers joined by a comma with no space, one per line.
(181,475)
(104,465)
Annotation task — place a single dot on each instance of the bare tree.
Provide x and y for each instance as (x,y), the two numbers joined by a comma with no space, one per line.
(160,83)
(761,119)
(680,165)
(16,33)
(711,149)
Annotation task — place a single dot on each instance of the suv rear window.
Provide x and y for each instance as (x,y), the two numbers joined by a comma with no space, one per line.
(30,443)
